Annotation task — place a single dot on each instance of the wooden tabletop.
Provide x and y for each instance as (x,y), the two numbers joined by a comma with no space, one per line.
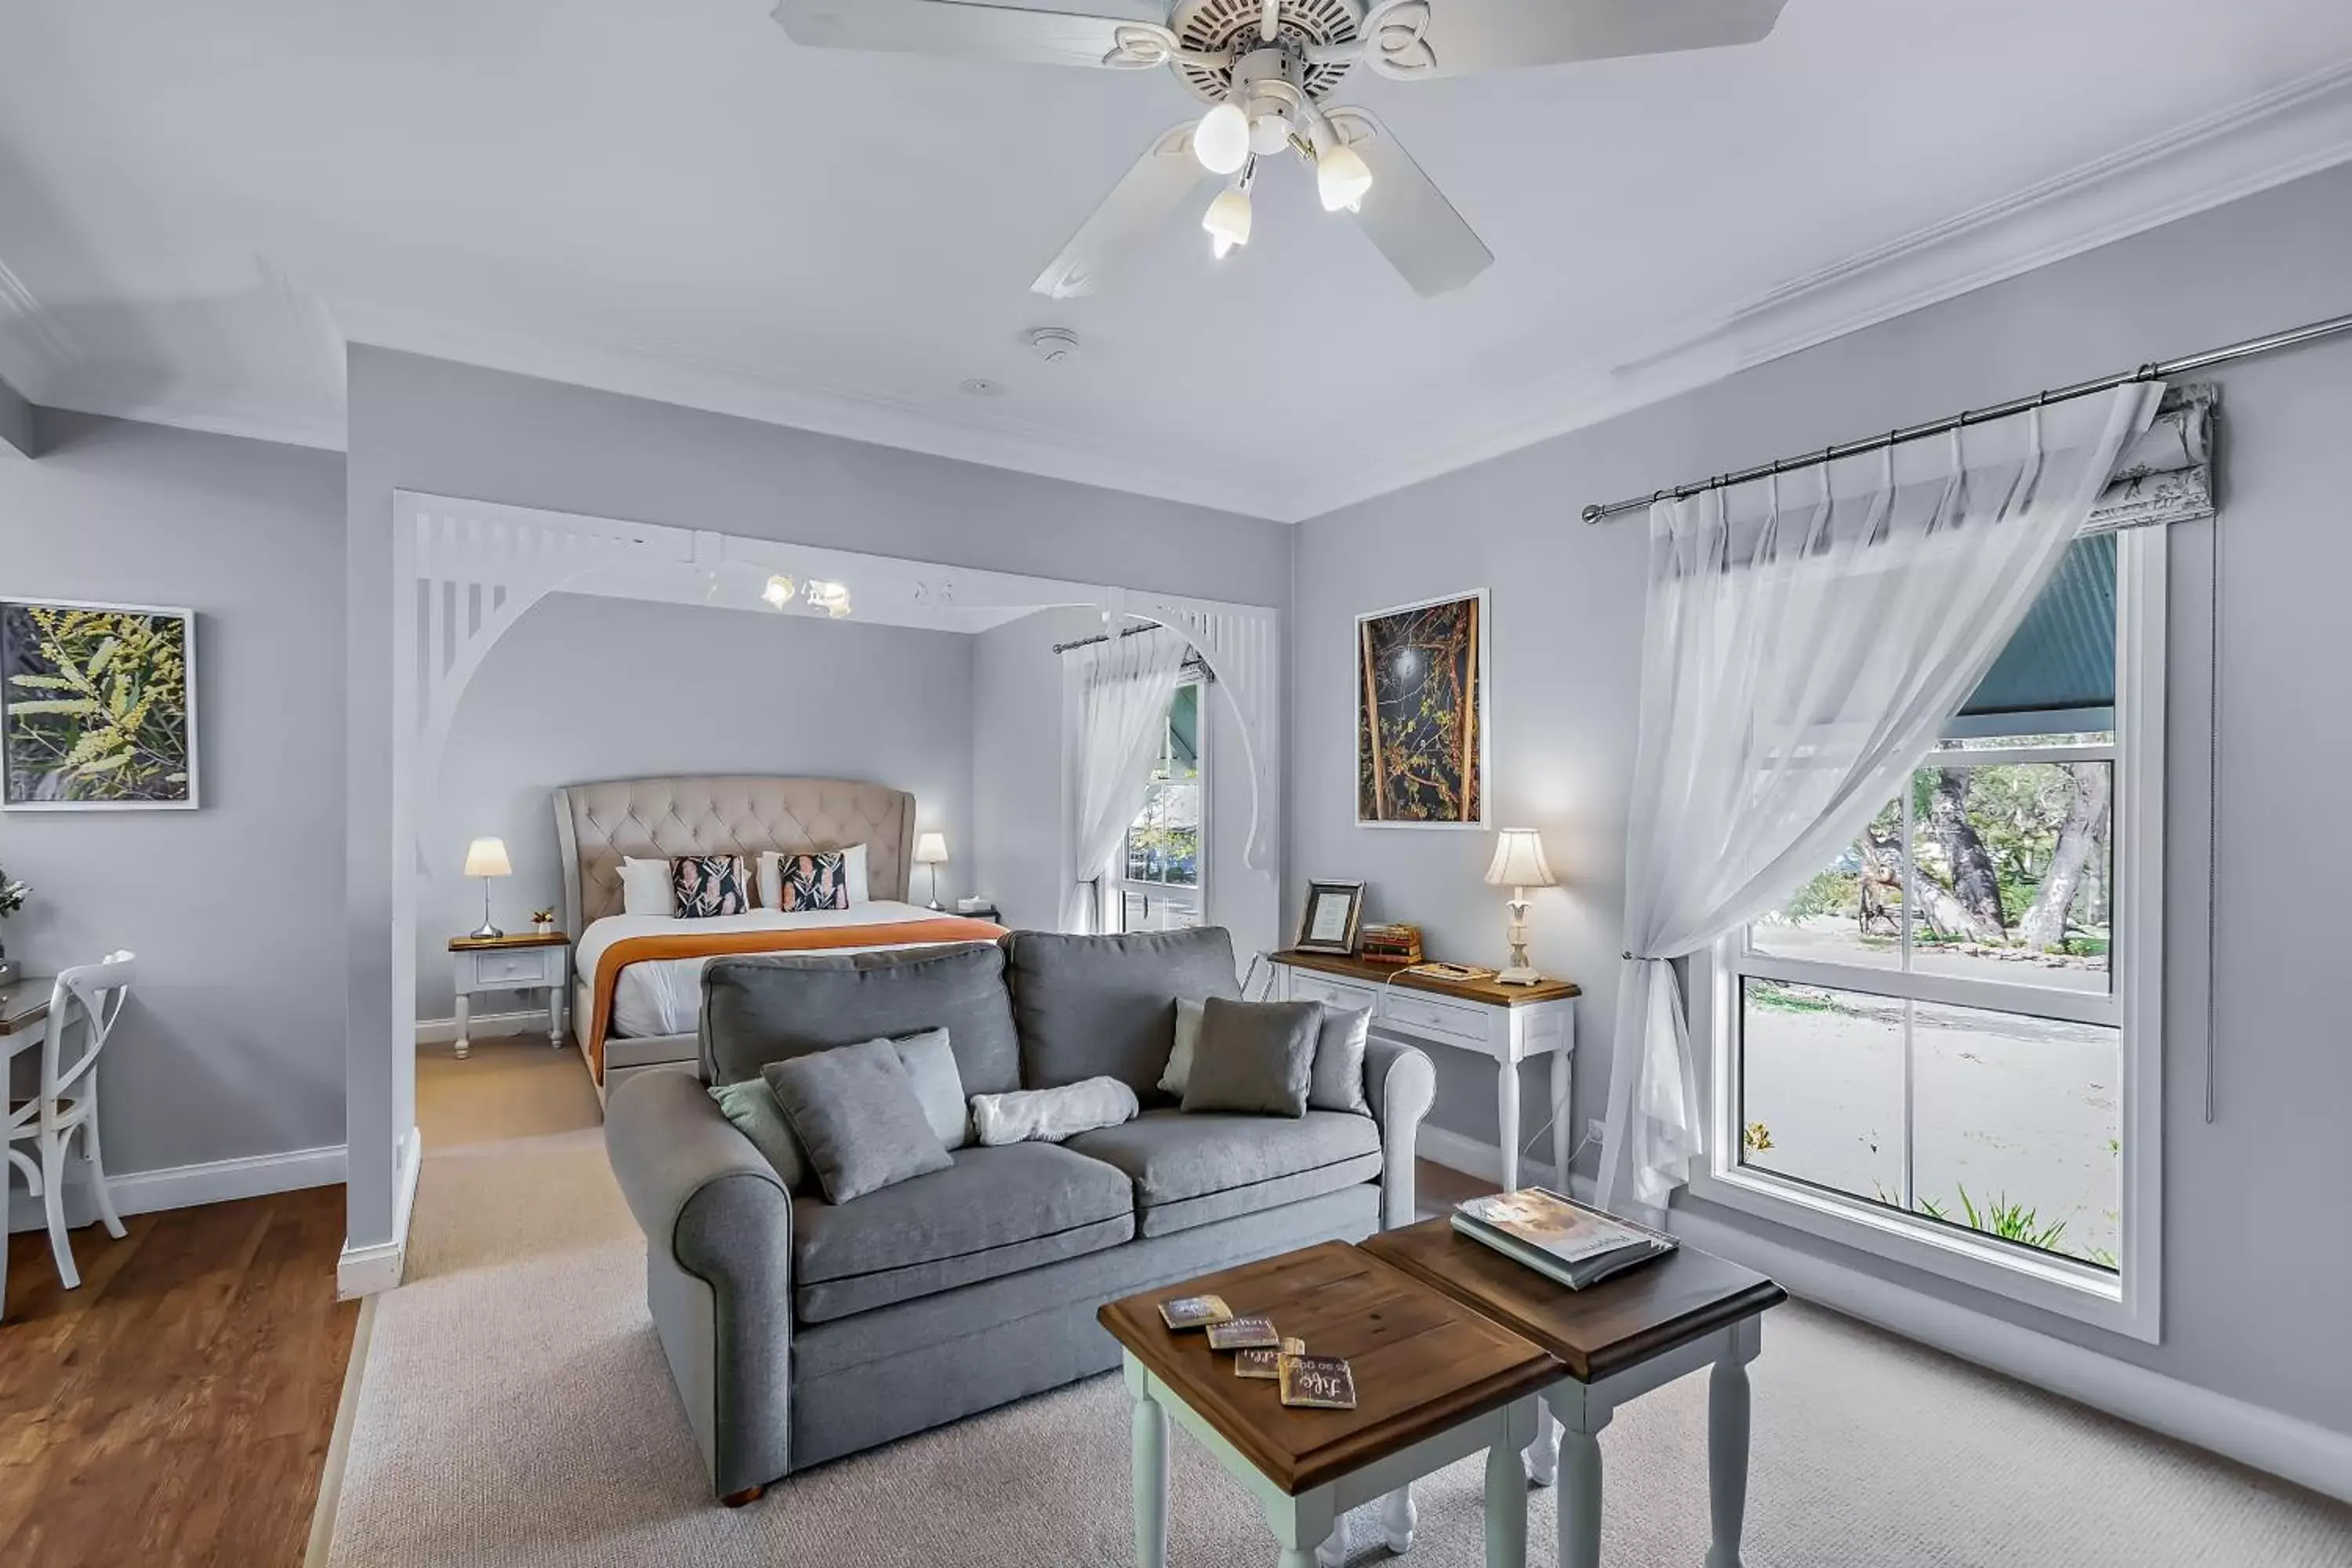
(515,938)
(1602,1329)
(1421,1362)
(25,1003)
(1492,992)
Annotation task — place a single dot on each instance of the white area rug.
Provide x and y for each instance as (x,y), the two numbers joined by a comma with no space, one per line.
(514,1409)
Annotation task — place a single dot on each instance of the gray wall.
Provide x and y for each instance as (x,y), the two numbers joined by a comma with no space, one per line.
(15,424)
(1018,775)
(449,429)
(234,1043)
(2253,1299)
(586,689)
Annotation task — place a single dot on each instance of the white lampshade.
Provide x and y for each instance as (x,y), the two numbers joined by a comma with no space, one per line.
(487,857)
(1342,178)
(931,849)
(1221,141)
(1228,220)
(1519,860)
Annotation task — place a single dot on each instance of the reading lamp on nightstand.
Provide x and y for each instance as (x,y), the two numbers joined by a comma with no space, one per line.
(1519,865)
(931,849)
(486,858)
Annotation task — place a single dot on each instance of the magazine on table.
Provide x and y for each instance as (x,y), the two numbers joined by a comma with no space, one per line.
(1573,1243)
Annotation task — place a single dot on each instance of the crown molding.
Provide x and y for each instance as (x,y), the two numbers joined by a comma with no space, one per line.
(2295,129)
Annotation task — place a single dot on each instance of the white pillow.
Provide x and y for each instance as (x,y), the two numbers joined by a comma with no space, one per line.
(772,877)
(646,888)
(1188,1037)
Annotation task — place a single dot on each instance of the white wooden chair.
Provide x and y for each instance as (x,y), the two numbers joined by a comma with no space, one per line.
(84,1007)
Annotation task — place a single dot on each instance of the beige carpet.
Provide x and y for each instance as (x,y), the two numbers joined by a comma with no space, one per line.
(514,1409)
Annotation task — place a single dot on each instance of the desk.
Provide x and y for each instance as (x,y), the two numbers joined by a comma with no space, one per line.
(1509,1023)
(24,1007)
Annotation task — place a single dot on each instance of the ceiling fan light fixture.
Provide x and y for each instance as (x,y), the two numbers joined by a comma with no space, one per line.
(1221,141)
(1342,178)
(1228,220)
(1269,133)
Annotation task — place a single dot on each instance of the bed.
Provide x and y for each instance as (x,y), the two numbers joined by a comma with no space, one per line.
(636,986)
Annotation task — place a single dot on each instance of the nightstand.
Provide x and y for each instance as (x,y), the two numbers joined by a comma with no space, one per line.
(986,912)
(527,961)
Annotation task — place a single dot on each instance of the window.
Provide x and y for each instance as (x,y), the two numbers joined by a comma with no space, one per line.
(1160,877)
(1944,1046)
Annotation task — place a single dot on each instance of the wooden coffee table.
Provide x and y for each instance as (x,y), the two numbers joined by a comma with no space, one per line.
(1617,1339)
(1435,1382)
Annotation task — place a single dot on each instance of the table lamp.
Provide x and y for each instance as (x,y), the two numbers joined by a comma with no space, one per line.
(486,858)
(931,849)
(1519,865)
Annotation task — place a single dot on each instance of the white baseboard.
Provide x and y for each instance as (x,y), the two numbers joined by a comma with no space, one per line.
(379,1266)
(2281,1445)
(184,1187)
(482,1026)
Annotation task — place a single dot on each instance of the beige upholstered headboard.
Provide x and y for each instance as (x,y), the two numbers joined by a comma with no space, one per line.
(597,824)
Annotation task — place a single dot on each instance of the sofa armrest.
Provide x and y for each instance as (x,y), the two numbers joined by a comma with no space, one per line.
(1400,1081)
(718,1240)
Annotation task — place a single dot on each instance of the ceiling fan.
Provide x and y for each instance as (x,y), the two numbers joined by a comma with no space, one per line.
(1265,66)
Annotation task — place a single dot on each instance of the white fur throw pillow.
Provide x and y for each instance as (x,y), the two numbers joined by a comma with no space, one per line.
(1050,1115)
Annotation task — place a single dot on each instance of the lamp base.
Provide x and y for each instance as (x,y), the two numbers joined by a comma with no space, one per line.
(1519,975)
(486,931)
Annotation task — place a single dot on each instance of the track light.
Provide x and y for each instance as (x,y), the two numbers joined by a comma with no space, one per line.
(1228,219)
(1221,141)
(1342,178)
(778,593)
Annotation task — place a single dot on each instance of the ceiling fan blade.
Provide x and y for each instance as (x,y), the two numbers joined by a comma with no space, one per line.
(1161,178)
(1409,38)
(1405,213)
(969,30)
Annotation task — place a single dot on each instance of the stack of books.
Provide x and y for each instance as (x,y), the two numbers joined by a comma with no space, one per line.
(1559,1237)
(1389,944)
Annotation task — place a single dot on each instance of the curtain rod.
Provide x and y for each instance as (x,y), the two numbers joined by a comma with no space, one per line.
(1966,416)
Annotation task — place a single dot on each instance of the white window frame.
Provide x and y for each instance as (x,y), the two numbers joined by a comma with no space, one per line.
(1114,885)
(2127,1302)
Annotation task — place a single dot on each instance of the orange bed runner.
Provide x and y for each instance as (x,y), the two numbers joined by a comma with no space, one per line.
(712,944)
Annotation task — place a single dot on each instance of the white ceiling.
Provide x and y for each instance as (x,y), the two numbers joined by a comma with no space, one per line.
(200,200)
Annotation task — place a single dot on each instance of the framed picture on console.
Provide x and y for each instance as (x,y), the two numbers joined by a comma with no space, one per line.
(1334,910)
(1421,714)
(98,706)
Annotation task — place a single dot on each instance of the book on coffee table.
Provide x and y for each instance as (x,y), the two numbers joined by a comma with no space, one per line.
(1245,1334)
(1556,1237)
(1318,1382)
(1195,1312)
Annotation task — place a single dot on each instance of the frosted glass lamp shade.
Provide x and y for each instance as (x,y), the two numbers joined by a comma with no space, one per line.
(487,857)
(1519,861)
(931,849)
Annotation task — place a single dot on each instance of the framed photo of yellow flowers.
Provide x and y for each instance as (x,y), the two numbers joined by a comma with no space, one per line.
(98,706)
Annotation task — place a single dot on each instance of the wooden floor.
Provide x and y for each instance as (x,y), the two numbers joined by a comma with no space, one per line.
(177,1407)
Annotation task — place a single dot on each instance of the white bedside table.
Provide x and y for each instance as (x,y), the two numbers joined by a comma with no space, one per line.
(525,962)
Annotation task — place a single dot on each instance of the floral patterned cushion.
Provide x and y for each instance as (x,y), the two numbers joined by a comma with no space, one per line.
(815,881)
(710,885)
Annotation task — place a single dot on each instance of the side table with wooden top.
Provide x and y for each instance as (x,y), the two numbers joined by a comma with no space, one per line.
(1509,1023)
(526,960)
(1617,1339)
(1436,1382)
(23,1008)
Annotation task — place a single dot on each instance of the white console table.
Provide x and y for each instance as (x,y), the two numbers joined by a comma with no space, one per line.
(1507,1023)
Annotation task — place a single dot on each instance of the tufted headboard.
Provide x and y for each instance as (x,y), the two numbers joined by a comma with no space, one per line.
(597,824)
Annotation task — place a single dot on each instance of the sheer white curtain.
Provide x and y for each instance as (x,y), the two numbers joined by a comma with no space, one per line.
(1796,667)
(1121,689)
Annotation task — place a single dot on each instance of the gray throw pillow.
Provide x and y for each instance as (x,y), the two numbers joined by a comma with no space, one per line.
(932,1067)
(1339,1080)
(751,1107)
(855,1111)
(1255,1056)
(1180,1060)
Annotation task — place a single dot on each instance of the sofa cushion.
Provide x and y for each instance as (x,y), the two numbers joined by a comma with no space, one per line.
(1105,1006)
(993,1212)
(1192,1168)
(764,1009)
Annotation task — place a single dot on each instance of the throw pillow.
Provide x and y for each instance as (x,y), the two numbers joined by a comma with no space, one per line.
(814,882)
(1050,1115)
(710,885)
(646,887)
(932,1067)
(751,1106)
(1339,1080)
(1188,1038)
(772,876)
(1255,1056)
(855,1111)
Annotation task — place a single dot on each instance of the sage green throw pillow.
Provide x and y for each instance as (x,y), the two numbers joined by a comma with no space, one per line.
(1339,1080)
(751,1107)
(1255,1056)
(857,1117)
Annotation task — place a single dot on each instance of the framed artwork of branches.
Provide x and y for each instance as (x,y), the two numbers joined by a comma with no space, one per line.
(1421,714)
(98,708)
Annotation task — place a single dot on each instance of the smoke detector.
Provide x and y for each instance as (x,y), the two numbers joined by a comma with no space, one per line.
(1055,345)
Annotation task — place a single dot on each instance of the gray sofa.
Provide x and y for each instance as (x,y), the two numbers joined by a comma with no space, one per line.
(799,1331)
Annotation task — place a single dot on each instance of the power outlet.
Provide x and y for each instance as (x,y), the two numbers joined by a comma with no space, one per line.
(1593,1132)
